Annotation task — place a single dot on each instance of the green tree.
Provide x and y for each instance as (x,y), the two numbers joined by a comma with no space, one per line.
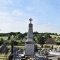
(9,37)
(40,40)
(1,41)
(25,34)
(15,43)
(46,35)
(19,36)
(58,39)
(20,41)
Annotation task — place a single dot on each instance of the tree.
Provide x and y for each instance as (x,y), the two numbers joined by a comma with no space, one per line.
(1,41)
(25,34)
(20,41)
(9,37)
(40,40)
(46,35)
(15,43)
(58,39)
(35,33)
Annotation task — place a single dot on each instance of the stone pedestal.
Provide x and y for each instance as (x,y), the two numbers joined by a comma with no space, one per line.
(29,48)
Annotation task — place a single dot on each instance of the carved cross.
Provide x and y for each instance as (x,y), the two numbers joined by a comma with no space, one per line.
(30,20)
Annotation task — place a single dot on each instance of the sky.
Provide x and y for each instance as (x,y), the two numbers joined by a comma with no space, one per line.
(15,14)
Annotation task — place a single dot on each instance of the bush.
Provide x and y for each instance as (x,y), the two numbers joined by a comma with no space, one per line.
(58,43)
(15,43)
(1,41)
(46,46)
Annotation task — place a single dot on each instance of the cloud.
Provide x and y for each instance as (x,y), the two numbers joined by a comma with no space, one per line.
(17,21)
(47,28)
(30,8)
(14,15)
(6,1)
(13,21)
(5,16)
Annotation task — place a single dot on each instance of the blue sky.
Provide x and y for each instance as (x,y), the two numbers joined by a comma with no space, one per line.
(15,14)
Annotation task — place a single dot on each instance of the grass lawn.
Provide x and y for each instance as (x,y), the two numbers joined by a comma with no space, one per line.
(55,46)
(22,47)
(3,56)
(4,37)
(54,36)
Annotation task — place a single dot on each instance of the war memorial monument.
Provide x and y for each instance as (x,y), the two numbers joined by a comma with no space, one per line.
(29,44)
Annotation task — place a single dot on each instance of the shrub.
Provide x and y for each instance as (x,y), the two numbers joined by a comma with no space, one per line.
(15,43)
(1,41)
(46,46)
(58,43)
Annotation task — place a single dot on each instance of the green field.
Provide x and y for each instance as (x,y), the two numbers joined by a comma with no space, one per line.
(54,46)
(4,37)
(20,47)
(4,56)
